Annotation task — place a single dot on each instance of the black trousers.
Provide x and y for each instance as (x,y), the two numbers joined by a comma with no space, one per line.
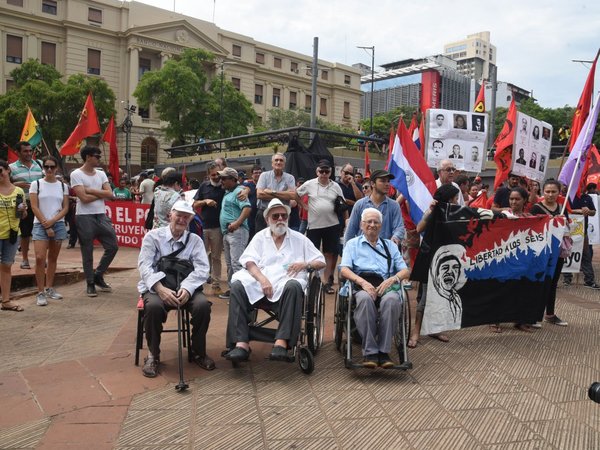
(155,315)
(288,309)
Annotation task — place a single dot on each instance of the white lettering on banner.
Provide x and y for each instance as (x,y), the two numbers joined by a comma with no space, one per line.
(128,221)
(573,262)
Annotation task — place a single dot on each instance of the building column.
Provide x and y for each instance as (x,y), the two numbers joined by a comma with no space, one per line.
(134,68)
(31,47)
(164,57)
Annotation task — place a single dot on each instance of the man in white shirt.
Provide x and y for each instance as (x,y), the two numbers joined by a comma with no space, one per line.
(159,299)
(446,172)
(146,188)
(275,269)
(92,187)
(323,222)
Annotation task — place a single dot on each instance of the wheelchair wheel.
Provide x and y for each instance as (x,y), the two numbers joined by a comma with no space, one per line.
(313,314)
(339,319)
(403,331)
(306,360)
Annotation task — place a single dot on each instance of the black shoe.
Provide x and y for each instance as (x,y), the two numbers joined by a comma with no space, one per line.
(278,353)
(91,290)
(238,354)
(371,361)
(102,285)
(385,361)
(591,285)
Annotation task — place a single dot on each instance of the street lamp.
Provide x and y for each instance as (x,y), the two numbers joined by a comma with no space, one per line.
(127,124)
(223,64)
(372,48)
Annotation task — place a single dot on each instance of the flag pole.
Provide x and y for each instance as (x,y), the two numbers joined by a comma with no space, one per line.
(575,169)
(564,154)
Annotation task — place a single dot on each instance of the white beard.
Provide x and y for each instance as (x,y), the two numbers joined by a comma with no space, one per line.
(278,229)
(215,184)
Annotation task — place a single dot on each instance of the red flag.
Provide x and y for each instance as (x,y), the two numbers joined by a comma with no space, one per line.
(422,134)
(87,126)
(583,107)
(413,125)
(110,136)
(390,146)
(367,161)
(11,155)
(504,145)
(480,201)
(480,102)
(184,183)
(593,175)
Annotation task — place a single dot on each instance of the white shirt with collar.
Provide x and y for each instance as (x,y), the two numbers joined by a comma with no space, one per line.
(273,262)
(160,242)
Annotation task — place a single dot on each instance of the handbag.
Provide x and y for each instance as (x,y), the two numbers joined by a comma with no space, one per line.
(174,268)
(371,277)
(339,205)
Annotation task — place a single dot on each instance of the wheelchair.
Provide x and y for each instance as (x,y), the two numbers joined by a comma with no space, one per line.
(345,332)
(312,325)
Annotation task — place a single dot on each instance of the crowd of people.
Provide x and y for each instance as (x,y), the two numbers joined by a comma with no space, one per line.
(270,229)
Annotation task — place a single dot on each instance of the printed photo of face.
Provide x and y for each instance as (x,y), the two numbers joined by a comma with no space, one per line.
(439,120)
(460,121)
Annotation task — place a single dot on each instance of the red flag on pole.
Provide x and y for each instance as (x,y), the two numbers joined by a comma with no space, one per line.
(480,102)
(367,161)
(583,107)
(11,155)
(504,145)
(593,175)
(110,136)
(87,126)
(390,146)
(413,125)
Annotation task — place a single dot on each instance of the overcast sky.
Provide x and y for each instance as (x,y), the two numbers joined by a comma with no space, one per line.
(536,41)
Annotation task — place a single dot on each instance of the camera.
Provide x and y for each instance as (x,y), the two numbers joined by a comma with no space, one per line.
(19,206)
(594,392)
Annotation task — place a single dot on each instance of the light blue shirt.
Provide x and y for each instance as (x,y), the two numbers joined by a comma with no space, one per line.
(393,224)
(359,257)
(231,209)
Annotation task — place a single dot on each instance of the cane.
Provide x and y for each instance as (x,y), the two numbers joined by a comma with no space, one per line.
(182,386)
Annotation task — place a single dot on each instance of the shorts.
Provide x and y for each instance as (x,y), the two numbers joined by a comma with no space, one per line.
(60,232)
(26,224)
(8,251)
(330,236)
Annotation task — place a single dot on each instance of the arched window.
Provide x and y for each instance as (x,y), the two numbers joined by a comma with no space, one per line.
(149,152)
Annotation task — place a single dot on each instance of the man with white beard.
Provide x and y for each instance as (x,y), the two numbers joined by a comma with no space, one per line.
(275,265)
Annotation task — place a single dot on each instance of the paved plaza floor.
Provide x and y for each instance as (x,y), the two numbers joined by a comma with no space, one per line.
(67,381)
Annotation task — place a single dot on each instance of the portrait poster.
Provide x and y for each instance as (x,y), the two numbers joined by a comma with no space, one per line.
(577,231)
(531,149)
(460,136)
(483,269)
(594,223)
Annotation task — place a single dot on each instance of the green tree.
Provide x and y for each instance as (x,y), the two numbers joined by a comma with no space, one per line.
(382,123)
(55,104)
(190,105)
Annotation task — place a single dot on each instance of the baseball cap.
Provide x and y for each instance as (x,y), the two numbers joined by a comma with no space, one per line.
(324,163)
(380,173)
(182,206)
(228,172)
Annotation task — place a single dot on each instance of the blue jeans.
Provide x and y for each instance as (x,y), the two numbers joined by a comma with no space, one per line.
(234,245)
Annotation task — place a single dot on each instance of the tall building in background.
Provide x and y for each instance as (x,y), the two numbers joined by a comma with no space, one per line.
(119,41)
(474,55)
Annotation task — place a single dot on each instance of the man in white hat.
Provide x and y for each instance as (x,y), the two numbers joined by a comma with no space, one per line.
(275,267)
(159,299)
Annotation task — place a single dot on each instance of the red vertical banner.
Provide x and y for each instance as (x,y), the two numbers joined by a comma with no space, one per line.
(367,161)
(430,90)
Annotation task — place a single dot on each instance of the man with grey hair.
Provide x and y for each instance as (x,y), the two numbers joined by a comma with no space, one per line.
(274,184)
(446,172)
(376,269)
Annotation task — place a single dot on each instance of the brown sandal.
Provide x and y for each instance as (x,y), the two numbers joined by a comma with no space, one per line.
(9,307)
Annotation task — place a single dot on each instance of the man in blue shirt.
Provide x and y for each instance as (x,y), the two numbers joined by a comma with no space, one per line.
(234,224)
(393,224)
(376,269)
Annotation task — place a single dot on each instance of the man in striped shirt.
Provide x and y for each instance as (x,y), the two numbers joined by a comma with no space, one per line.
(25,171)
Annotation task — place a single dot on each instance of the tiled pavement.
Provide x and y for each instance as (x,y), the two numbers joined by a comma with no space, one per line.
(67,381)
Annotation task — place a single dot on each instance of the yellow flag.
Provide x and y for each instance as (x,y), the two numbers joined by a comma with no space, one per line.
(31,131)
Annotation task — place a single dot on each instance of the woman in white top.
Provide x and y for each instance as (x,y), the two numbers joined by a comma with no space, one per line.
(50,204)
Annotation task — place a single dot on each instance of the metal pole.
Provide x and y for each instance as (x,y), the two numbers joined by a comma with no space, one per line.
(372,85)
(127,129)
(315,70)
(494,82)
(221,112)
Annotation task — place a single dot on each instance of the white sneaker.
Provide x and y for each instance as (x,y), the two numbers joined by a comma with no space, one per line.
(52,294)
(41,299)
(536,325)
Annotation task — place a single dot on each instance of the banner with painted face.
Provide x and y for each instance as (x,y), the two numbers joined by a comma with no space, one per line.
(481,270)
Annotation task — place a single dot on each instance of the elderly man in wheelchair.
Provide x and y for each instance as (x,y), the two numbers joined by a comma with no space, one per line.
(375,268)
(275,270)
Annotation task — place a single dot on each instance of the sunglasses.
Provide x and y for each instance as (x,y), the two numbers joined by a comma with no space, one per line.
(324,170)
(1,170)
(451,169)
(49,167)
(348,173)
(366,188)
(278,216)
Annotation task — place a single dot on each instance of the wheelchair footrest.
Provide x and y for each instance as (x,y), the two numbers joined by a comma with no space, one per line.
(349,364)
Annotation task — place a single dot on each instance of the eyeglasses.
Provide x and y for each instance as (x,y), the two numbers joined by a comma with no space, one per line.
(348,173)
(372,222)
(279,216)
(1,170)
(449,169)
(324,170)
(366,188)
(49,167)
